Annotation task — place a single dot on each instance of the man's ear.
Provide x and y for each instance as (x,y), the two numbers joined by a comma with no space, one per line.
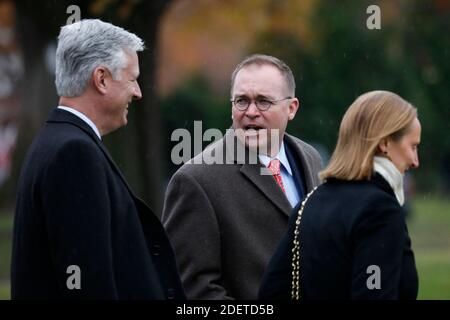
(293,107)
(100,79)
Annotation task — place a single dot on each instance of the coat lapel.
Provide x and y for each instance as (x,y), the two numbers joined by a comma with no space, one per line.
(297,171)
(267,185)
(252,169)
(308,170)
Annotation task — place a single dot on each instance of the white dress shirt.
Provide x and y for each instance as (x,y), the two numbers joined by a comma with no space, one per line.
(286,174)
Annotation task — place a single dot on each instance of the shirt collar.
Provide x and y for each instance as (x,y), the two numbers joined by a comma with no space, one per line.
(82,117)
(280,156)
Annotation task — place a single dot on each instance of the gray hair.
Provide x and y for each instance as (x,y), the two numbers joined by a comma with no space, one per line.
(86,45)
(262,59)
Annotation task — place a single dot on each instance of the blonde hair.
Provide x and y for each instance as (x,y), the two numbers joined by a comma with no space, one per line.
(373,116)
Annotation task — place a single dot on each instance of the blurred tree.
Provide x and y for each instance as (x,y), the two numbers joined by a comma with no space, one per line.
(343,62)
(35,30)
(211,37)
(409,56)
(427,53)
(194,100)
(38,26)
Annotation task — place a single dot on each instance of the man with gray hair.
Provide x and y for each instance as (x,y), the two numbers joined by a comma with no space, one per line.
(225,218)
(79,230)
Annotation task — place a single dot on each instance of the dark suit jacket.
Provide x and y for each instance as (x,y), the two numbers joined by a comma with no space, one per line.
(346,227)
(225,220)
(74,207)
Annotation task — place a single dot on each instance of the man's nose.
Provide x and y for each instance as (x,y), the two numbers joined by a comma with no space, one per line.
(252,110)
(137,92)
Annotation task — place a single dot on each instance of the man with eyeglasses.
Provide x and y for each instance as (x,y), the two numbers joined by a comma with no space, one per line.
(225,220)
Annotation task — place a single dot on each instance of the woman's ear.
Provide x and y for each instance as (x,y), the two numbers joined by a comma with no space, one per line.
(383,146)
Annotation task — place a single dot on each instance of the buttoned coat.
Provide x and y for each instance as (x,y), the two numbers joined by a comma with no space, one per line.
(354,244)
(225,220)
(79,230)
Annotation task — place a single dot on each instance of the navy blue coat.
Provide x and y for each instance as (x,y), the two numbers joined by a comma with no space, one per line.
(346,227)
(74,207)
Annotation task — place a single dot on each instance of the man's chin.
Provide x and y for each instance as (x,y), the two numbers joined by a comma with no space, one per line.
(257,147)
(256,143)
(121,124)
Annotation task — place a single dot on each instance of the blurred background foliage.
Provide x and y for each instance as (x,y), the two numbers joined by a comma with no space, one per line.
(335,58)
(192,49)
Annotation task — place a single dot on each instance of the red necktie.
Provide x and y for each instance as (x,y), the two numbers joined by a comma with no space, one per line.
(274,167)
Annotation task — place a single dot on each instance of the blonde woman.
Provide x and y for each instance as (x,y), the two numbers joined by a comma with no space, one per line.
(349,239)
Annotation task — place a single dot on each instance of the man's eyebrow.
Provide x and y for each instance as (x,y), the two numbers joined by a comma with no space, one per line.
(262,96)
(259,96)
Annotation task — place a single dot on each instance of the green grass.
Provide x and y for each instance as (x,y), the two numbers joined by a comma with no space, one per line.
(4,290)
(429,228)
(5,252)
(434,274)
(6,223)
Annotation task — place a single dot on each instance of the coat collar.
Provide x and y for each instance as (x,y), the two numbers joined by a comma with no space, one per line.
(83,117)
(378,180)
(63,116)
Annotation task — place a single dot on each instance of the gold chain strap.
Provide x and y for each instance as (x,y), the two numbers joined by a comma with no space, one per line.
(295,293)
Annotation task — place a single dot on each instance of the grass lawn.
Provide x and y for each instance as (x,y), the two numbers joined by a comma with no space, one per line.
(5,254)
(4,290)
(429,228)
(6,223)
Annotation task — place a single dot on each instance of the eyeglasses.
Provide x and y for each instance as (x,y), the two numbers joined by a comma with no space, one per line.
(242,103)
